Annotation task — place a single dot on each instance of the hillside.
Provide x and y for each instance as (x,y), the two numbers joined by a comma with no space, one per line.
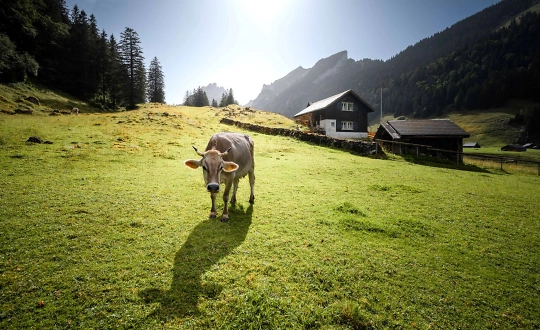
(490,128)
(480,62)
(35,99)
(20,99)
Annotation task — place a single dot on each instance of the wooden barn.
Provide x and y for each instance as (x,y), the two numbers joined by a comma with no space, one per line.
(436,137)
(341,116)
(471,145)
(514,147)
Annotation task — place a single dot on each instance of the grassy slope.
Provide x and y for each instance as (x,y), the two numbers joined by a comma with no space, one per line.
(107,228)
(13,96)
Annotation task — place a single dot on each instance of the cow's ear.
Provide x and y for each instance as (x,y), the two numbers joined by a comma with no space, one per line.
(230,166)
(193,163)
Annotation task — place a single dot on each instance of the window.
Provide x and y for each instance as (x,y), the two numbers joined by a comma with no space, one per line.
(347,106)
(347,125)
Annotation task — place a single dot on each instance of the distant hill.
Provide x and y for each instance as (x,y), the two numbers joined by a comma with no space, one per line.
(478,63)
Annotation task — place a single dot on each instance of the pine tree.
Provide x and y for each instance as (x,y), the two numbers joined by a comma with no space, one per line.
(223,102)
(230,97)
(187,97)
(79,51)
(156,83)
(93,78)
(116,76)
(132,62)
(103,66)
(214,103)
(140,84)
(199,97)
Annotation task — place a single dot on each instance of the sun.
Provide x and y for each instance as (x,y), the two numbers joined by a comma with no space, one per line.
(262,11)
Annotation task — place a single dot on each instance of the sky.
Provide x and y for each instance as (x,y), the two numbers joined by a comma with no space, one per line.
(243,44)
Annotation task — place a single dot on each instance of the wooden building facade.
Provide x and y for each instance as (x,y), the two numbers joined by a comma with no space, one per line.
(436,137)
(343,115)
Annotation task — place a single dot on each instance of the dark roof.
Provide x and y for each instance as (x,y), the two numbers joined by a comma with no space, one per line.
(424,128)
(518,147)
(329,100)
(471,145)
(390,130)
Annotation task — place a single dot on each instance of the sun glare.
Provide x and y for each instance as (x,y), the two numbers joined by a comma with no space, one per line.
(263,11)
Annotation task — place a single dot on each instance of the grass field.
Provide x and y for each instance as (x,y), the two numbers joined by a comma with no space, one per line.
(106,228)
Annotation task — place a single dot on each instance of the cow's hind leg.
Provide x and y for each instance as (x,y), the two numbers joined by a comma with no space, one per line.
(235,188)
(213,209)
(252,185)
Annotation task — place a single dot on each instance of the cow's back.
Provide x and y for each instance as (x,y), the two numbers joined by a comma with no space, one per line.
(241,151)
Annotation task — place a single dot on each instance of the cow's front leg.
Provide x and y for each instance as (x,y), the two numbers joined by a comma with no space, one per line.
(225,216)
(213,209)
(235,188)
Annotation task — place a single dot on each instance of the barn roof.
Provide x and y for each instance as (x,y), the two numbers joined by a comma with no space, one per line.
(329,100)
(471,145)
(513,147)
(390,130)
(423,128)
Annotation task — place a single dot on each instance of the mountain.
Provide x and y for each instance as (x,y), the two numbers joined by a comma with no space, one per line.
(428,77)
(213,91)
(269,92)
(311,84)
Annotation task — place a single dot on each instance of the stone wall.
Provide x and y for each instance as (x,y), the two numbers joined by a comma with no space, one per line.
(361,147)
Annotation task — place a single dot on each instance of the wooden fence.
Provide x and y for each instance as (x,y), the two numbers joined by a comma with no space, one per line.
(366,147)
(507,162)
(458,156)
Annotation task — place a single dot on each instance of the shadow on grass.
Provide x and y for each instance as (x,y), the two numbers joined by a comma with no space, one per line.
(209,242)
(442,163)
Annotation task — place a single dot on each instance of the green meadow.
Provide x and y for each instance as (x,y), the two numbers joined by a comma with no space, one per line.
(106,228)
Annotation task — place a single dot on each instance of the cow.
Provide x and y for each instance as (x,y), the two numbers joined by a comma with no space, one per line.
(228,158)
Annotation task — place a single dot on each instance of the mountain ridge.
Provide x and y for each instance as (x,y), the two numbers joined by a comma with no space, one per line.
(336,73)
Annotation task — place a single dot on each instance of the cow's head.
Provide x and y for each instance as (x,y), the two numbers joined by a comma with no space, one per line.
(213,164)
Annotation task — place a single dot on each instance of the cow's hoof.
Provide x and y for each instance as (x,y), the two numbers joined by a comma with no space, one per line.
(252,200)
(224,219)
(212,216)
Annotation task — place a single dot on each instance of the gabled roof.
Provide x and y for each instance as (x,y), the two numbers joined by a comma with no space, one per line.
(423,128)
(390,130)
(329,100)
(513,147)
(471,145)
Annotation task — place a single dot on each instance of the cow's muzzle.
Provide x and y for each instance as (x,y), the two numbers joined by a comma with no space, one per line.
(212,187)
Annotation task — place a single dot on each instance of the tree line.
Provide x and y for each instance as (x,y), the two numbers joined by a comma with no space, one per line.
(501,66)
(43,40)
(198,98)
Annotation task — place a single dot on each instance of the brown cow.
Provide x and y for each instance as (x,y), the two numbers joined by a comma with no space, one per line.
(226,167)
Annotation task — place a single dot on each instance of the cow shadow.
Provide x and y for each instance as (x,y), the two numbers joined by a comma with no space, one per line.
(209,242)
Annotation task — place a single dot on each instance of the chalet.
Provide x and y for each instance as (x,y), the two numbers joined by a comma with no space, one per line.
(513,147)
(341,116)
(471,145)
(438,137)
